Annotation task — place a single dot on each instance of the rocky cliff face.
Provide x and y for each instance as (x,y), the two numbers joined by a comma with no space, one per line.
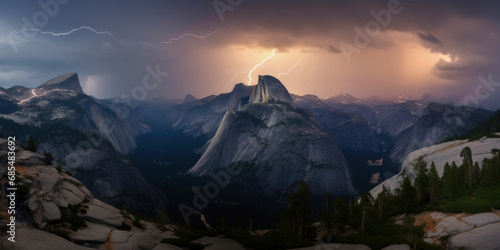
(68,82)
(202,117)
(279,145)
(86,138)
(351,131)
(435,123)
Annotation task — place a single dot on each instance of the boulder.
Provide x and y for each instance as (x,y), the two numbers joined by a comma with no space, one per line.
(28,158)
(50,211)
(478,220)
(485,237)
(451,225)
(103,213)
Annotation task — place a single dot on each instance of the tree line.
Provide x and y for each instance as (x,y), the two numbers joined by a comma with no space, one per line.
(423,190)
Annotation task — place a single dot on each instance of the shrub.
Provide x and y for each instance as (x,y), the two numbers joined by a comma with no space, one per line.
(75,221)
(124,227)
(74,208)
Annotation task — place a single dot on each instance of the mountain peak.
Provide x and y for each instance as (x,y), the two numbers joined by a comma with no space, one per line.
(189,98)
(270,89)
(67,82)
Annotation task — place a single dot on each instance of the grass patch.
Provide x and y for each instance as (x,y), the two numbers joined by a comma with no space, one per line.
(273,239)
(183,243)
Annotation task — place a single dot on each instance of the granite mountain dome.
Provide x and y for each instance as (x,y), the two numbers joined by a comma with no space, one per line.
(270,89)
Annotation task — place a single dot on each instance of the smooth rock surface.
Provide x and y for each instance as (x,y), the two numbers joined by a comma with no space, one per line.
(103,213)
(29,238)
(484,238)
(478,220)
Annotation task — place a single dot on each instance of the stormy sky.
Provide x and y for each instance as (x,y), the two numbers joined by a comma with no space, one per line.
(383,48)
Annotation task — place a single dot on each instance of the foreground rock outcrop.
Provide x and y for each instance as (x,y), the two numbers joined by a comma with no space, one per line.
(462,231)
(55,210)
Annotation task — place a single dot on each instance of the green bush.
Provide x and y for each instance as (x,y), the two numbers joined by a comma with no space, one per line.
(75,208)
(75,221)
(183,243)
(124,227)
(444,238)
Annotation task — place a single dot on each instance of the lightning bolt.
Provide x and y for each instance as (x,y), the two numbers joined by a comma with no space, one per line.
(192,35)
(235,74)
(65,33)
(312,70)
(294,66)
(256,66)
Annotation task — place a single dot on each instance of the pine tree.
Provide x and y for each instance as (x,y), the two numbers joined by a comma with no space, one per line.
(31,146)
(466,153)
(326,216)
(446,172)
(476,174)
(422,179)
(407,192)
(452,181)
(299,212)
(434,179)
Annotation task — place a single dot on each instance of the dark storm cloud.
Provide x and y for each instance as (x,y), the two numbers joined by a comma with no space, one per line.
(429,38)
(469,29)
